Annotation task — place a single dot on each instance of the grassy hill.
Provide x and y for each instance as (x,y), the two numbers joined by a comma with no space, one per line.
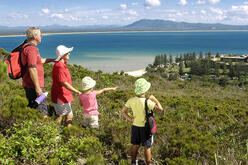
(203,124)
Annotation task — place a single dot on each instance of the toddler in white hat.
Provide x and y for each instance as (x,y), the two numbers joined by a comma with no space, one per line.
(89,102)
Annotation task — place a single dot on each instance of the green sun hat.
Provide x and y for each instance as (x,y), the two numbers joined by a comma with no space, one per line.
(141,86)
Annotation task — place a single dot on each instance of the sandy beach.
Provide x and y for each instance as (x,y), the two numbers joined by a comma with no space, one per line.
(136,73)
(142,31)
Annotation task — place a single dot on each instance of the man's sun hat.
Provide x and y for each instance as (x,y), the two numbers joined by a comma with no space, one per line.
(141,86)
(87,83)
(61,50)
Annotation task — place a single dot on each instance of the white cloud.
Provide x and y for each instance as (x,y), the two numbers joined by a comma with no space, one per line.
(193,12)
(172,19)
(123,6)
(213,1)
(182,2)
(217,11)
(56,15)
(220,17)
(18,15)
(239,9)
(129,18)
(134,4)
(169,10)
(150,3)
(66,10)
(132,12)
(178,14)
(73,18)
(45,11)
(199,2)
(105,17)
(246,3)
(203,11)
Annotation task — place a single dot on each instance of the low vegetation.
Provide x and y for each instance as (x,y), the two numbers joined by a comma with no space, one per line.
(205,123)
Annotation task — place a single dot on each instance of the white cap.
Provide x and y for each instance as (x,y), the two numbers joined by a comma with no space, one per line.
(87,83)
(61,50)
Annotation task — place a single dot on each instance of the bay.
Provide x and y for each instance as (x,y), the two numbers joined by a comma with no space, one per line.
(127,51)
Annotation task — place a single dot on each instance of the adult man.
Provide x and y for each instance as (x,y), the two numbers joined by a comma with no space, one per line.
(33,78)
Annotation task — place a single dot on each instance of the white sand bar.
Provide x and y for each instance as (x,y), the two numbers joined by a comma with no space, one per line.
(136,73)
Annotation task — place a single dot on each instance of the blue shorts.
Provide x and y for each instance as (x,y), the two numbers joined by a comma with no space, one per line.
(140,137)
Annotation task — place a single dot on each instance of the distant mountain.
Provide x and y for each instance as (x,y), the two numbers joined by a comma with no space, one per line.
(141,25)
(55,28)
(146,24)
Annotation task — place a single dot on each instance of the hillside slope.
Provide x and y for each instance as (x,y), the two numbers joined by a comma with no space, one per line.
(203,124)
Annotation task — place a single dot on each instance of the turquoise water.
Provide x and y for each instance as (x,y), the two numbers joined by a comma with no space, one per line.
(134,50)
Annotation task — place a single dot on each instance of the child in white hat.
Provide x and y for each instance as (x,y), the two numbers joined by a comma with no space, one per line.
(137,105)
(89,102)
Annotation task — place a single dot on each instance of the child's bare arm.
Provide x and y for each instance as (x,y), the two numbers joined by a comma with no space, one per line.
(98,92)
(158,106)
(124,113)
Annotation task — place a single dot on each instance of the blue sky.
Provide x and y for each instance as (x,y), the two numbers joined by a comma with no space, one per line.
(120,12)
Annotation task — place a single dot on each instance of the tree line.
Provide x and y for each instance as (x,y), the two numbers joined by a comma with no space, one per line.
(202,64)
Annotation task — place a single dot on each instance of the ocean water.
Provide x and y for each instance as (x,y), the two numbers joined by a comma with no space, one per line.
(129,51)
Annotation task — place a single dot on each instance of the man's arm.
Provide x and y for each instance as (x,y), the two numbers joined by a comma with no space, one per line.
(47,60)
(34,77)
(124,113)
(70,88)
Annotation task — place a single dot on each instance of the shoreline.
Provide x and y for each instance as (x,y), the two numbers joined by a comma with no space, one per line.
(136,73)
(135,31)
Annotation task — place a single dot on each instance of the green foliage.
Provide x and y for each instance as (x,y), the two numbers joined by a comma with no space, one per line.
(204,123)
(95,159)
(3,71)
(181,69)
(3,54)
(30,142)
(3,51)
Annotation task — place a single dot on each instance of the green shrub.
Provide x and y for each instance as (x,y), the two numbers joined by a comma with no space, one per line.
(3,71)
(95,159)
(31,142)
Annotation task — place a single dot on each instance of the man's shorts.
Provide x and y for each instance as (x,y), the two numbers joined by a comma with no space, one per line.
(31,96)
(62,108)
(140,137)
(90,121)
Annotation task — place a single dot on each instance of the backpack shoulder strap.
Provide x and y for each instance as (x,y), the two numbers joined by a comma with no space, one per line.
(146,108)
(20,56)
(28,44)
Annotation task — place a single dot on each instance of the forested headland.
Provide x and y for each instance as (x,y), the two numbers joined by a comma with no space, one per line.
(207,68)
(204,122)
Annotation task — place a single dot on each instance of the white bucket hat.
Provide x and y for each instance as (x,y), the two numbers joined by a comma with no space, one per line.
(61,50)
(87,83)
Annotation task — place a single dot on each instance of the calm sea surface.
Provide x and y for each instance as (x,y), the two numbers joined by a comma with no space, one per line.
(129,51)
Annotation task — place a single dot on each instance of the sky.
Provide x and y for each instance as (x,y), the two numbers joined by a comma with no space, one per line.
(120,12)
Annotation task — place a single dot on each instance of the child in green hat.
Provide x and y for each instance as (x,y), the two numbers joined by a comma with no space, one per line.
(137,105)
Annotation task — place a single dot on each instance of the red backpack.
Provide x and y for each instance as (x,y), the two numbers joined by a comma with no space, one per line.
(150,124)
(15,67)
